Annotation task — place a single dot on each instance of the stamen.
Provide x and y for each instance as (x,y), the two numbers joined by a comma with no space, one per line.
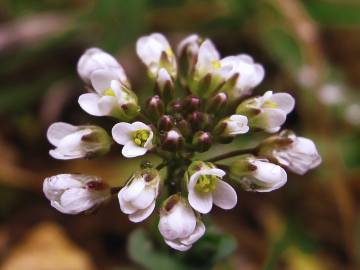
(109,92)
(140,137)
(206,183)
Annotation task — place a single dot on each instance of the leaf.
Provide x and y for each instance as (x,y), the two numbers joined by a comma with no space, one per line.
(143,252)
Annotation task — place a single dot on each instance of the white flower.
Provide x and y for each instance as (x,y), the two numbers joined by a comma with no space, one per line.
(137,198)
(155,52)
(208,61)
(111,97)
(96,59)
(250,74)
(258,175)
(267,112)
(236,124)
(74,193)
(136,138)
(190,44)
(331,94)
(179,225)
(299,154)
(206,188)
(77,141)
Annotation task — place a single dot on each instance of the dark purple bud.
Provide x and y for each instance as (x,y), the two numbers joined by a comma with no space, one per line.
(172,140)
(176,106)
(155,107)
(192,103)
(217,103)
(165,123)
(202,141)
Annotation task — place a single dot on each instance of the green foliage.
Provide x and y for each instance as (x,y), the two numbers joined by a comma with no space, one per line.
(211,249)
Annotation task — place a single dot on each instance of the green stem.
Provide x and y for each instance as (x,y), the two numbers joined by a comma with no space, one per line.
(233,154)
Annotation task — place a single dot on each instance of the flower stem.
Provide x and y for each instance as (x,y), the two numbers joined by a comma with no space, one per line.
(233,154)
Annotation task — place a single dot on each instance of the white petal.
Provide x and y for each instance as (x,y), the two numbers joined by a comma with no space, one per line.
(101,80)
(196,235)
(106,104)
(134,189)
(89,103)
(224,195)
(179,223)
(57,131)
(76,200)
(213,171)
(145,198)
(188,41)
(131,150)
(58,154)
(143,214)
(177,245)
(207,54)
(125,206)
(284,100)
(121,132)
(200,202)
(140,125)
(273,118)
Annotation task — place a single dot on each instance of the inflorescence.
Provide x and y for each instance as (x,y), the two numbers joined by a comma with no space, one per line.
(200,100)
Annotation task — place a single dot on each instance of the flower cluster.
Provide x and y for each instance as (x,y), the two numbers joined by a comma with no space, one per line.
(199,100)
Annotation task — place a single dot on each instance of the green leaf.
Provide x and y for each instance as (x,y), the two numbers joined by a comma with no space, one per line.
(142,251)
(334,12)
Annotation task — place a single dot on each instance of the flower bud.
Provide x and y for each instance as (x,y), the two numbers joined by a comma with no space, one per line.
(165,123)
(172,140)
(217,103)
(199,120)
(202,141)
(155,52)
(257,174)
(232,126)
(155,107)
(184,127)
(178,224)
(176,106)
(138,197)
(192,103)
(94,59)
(267,112)
(187,52)
(77,141)
(164,85)
(298,154)
(75,193)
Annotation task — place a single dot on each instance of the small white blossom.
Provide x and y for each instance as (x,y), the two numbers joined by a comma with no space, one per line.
(250,74)
(331,94)
(111,97)
(206,188)
(94,59)
(190,44)
(267,112)
(258,175)
(155,52)
(75,193)
(236,124)
(179,225)
(208,61)
(137,198)
(136,138)
(77,141)
(298,154)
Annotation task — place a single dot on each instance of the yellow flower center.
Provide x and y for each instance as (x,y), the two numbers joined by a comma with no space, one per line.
(216,64)
(270,104)
(206,183)
(169,52)
(109,92)
(140,137)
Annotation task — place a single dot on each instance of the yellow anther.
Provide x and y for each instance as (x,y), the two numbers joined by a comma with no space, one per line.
(216,64)
(206,183)
(140,137)
(169,52)
(109,92)
(270,104)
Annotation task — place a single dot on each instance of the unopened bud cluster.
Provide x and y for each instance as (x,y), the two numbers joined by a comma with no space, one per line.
(199,100)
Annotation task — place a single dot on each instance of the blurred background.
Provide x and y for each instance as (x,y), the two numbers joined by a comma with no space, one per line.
(310,48)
